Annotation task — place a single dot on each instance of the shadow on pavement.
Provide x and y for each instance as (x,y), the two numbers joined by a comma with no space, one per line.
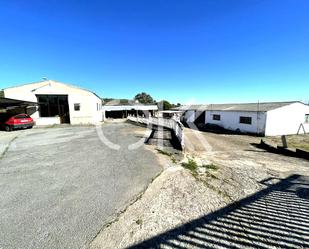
(275,217)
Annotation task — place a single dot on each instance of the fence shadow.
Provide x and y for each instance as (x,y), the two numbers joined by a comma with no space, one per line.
(275,217)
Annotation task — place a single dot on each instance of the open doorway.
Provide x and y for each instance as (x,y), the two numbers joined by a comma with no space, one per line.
(54,105)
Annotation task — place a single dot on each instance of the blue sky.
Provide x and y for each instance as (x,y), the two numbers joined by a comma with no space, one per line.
(188,51)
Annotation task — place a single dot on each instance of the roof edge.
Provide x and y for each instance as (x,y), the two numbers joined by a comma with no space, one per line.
(56,81)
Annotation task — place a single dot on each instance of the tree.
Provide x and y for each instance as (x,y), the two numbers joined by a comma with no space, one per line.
(1,94)
(166,105)
(144,98)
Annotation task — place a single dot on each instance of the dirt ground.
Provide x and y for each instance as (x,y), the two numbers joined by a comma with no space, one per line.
(200,142)
(251,198)
(293,141)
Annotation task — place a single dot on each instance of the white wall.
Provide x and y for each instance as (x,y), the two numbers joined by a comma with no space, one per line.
(88,114)
(230,120)
(189,116)
(286,120)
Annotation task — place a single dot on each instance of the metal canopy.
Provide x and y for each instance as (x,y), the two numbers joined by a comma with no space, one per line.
(9,103)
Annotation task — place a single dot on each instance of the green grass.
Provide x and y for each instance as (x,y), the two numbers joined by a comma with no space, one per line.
(210,166)
(164,152)
(169,154)
(193,167)
(190,165)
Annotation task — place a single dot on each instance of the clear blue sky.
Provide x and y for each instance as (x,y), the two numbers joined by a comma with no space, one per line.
(198,51)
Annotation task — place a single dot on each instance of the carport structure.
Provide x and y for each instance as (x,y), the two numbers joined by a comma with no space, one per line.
(17,106)
(123,110)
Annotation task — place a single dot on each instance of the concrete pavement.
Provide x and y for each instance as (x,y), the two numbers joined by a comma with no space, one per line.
(60,186)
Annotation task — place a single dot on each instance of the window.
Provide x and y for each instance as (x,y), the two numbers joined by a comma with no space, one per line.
(77,107)
(216,117)
(306,118)
(245,120)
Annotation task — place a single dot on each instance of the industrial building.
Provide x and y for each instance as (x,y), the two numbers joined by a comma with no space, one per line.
(269,119)
(57,103)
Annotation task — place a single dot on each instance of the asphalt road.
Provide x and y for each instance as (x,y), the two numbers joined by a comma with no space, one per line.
(60,186)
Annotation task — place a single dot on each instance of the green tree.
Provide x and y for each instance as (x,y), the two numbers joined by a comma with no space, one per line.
(166,105)
(106,100)
(144,98)
(1,94)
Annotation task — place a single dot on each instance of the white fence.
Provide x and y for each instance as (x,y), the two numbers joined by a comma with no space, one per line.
(170,123)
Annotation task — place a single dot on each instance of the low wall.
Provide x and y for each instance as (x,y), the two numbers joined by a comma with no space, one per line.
(47,121)
(172,124)
(83,120)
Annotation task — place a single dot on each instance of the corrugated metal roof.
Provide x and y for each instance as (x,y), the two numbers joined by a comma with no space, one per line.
(250,107)
(189,107)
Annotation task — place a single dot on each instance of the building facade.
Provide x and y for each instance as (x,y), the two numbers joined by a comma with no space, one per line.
(269,119)
(58,103)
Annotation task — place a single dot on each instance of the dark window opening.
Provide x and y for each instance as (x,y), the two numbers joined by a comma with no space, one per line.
(54,105)
(125,113)
(116,114)
(245,120)
(77,107)
(216,117)
(306,118)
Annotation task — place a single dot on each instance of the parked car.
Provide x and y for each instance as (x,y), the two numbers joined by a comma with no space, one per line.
(11,122)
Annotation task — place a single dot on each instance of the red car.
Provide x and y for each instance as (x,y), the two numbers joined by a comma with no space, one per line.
(9,122)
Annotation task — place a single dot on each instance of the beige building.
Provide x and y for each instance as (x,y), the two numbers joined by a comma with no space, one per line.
(58,103)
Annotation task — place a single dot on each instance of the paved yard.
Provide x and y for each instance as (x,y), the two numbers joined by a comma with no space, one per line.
(59,186)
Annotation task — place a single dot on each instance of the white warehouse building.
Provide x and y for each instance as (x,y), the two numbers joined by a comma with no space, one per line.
(58,103)
(269,119)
